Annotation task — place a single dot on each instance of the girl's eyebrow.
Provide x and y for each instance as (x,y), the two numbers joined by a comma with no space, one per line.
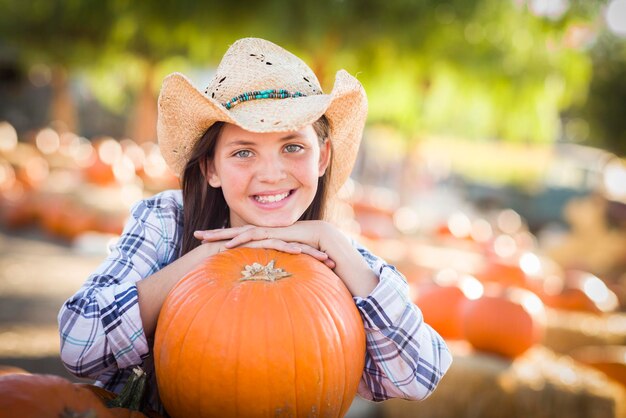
(291,135)
(239,142)
(246,143)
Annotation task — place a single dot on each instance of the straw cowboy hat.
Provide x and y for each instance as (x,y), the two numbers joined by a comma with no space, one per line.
(261,87)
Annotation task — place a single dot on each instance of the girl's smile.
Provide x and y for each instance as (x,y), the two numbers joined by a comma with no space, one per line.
(268,179)
(272,200)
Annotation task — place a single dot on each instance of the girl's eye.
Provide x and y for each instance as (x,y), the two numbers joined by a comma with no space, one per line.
(293,148)
(244,153)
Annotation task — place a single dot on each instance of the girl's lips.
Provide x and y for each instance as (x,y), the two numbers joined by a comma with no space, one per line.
(272,200)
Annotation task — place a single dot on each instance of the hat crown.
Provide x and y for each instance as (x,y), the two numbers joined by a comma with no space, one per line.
(253,64)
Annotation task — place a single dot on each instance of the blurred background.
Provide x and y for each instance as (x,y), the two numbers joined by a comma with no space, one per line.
(492,171)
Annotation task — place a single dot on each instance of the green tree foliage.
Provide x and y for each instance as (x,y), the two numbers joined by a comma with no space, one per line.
(481,69)
(59,32)
(604,108)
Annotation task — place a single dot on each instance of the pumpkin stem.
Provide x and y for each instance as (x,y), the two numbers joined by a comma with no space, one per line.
(259,272)
(132,393)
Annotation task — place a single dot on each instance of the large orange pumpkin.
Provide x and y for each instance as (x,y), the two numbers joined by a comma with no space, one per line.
(504,321)
(39,395)
(259,333)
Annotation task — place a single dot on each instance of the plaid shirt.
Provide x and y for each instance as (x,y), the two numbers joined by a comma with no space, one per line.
(102,335)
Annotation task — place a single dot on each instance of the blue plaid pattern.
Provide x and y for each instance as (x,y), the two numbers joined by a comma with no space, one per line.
(102,335)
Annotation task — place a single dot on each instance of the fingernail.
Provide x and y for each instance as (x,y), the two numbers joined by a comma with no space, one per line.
(229,244)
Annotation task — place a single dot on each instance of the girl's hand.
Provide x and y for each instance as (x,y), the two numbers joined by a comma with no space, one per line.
(225,238)
(317,238)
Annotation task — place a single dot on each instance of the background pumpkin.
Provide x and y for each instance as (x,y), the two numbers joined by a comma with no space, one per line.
(505,321)
(5,369)
(40,396)
(255,348)
(441,306)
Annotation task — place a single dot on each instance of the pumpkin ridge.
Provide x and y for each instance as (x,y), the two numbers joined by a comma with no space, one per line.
(266,333)
(215,317)
(174,302)
(293,350)
(341,360)
(175,365)
(244,297)
(332,299)
(310,313)
(256,325)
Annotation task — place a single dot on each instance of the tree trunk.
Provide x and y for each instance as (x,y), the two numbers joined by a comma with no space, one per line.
(321,60)
(142,125)
(62,106)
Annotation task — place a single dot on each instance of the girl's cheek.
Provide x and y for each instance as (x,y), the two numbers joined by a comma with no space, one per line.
(303,167)
(235,180)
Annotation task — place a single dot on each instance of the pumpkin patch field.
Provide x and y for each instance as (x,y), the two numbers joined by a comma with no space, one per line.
(533,331)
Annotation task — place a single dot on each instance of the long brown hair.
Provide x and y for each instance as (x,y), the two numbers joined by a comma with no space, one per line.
(204,207)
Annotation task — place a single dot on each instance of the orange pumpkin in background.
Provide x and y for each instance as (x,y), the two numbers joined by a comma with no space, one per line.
(441,307)
(37,395)
(580,291)
(504,320)
(258,333)
(99,172)
(441,301)
(17,206)
(5,369)
(501,271)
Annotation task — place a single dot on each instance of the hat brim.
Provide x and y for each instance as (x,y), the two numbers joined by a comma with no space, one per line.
(184,115)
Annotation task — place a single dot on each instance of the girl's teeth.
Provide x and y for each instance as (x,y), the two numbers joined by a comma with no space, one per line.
(271,199)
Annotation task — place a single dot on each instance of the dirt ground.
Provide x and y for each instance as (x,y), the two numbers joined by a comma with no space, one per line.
(36,276)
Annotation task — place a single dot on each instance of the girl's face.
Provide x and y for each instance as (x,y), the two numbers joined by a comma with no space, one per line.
(268,179)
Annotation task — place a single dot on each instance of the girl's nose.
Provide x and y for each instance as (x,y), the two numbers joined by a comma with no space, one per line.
(271,170)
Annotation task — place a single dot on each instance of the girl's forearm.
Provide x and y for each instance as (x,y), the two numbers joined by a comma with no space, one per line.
(350,265)
(153,290)
(357,277)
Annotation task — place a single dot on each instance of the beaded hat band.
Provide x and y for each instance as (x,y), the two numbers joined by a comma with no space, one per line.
(261,94)
(251,65)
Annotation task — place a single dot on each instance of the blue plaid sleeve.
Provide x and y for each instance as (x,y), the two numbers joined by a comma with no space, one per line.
(405,357)
(100,326)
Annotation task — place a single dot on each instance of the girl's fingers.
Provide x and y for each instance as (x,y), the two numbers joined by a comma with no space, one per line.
(221,234)
(313,252)
(287,247)
(252,234)
(274,244)
(317,254)
(288,234)
(330,263)
(281,239)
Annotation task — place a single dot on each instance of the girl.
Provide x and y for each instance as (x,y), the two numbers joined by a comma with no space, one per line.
(259,153)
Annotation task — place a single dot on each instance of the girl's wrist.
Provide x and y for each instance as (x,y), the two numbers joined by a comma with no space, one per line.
(203,251)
